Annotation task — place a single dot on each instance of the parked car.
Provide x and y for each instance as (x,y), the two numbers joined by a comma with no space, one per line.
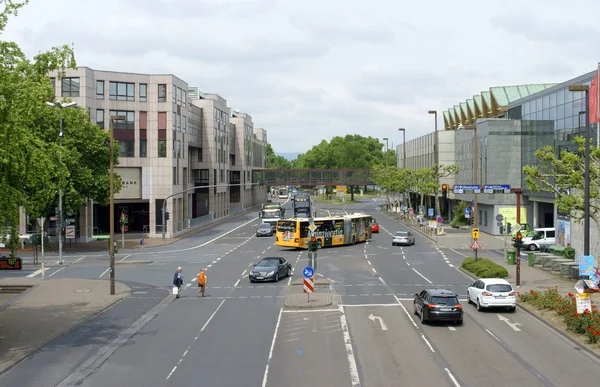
(438,305)
(403,238)
(374,227)
(270,269)
(492,293)
(542,237)
(264,229)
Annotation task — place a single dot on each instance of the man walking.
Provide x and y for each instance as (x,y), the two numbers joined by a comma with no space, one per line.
(178,281)
(202,281)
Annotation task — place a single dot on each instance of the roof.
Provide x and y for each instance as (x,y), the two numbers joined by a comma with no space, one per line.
(489,103)
(497,281)
(441,292)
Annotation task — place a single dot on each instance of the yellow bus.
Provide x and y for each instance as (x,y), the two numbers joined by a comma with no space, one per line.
(331,231)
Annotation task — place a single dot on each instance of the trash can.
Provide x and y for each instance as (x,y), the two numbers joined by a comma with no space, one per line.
(530,259)
(512,257)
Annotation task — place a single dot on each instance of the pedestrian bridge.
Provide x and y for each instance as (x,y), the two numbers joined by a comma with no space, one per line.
(314,177)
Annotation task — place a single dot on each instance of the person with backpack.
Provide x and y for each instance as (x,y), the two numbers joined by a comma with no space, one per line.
(202,281)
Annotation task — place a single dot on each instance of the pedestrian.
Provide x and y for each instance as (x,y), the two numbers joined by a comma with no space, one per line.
(202,281)
(178,281)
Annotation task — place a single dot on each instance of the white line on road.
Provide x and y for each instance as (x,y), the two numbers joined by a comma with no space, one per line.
(124,258)
(244,273)
(236,283)
(451,328)
(61,269)
(309,311)
(369,305)
(266,374)
(422,276)
(104,272)
(34,274)
(212,315)
(207,266)
(382,281)
(452,377)
(412,320)
(374,271)
(355,379)
(369,262)
(491,334)
(427,342)
(79,259)
(408,263)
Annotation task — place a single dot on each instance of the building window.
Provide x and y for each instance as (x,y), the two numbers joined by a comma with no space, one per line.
(175,88)
(162,148)
(128,123)
(121,91)
(184,97)
(174,119)
(100,118)
(126,148)
(162,93)
(183,123)
(200,154)
(53,82)
(70,87)
(143,148)
(100,89)
(162,120)
(143,92)
(174,175)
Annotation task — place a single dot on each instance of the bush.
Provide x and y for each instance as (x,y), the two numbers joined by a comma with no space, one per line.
(484,268)
(458,215)
(586,323)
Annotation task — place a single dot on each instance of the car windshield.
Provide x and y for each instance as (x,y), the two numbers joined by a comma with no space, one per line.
(499,288)
(401,234)
(444,300)
(265,226)
(268,263)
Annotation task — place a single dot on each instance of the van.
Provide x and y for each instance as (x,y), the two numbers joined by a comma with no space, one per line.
(542,237)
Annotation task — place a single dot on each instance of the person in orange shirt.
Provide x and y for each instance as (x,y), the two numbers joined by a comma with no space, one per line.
(202,281)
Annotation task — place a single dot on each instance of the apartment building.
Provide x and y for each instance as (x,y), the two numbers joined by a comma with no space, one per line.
(170,143)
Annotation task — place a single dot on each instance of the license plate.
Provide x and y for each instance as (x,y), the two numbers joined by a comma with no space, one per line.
(446,309)
(260,277)
(500,297)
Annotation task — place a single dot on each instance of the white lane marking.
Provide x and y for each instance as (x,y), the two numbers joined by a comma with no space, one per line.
(368,305)
(369,262)
(79,259)
(374,271)
(406,312)
(212,315)
(61,269)
(408,264)
(355,379)
(34,274)
(236,283)
(491,334)
(244,273)
(427,342)
(104,272)
(382,281)
(171,373)
(422,276)
(215,261)
(452,377)
(310,311)
(124,258)
(451,265)
(289,281)
(266,374)
(209,265)
(451,328)
(457,252)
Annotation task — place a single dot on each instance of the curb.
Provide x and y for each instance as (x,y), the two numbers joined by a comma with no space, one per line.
(134,262)
(527,310)
(409,226)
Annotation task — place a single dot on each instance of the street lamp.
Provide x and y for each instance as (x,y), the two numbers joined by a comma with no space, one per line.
(403,147)
(586,189)
(475,174)
(436,157)
(60,106)
(387,152)
(111,179)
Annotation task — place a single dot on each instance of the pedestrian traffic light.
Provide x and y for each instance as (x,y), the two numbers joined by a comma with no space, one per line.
(519,240)
(444,191)
(167,217)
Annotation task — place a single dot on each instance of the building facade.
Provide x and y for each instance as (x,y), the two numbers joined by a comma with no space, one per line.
(169,143)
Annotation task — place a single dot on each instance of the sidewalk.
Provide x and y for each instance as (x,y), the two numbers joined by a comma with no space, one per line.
(46,310)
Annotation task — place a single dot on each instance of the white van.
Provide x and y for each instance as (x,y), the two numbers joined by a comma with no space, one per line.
(542,237)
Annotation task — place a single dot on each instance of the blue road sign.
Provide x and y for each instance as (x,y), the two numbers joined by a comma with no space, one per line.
(586,265)
(466,189)
(472,203)
(308,272)
(497,188)
(467,211)
(430,212)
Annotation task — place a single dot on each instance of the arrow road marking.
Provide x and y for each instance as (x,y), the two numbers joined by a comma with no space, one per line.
(513,325)
(373,318)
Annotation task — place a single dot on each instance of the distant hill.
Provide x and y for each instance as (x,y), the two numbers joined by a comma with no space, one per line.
(289,155)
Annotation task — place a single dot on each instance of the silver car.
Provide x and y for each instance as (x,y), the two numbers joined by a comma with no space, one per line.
(403,238)
(264,229)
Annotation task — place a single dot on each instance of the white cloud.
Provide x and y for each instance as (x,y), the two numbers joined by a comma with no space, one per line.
(311,70)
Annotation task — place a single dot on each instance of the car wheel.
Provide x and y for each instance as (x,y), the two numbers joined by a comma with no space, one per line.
(512,309)
(276,277)
(252,280)
(532,247)
(415,309)
(423,321)
(478,305)
(289,272)
(459,322)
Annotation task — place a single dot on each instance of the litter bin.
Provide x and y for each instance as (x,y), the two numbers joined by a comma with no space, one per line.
(530,259)
(512,257)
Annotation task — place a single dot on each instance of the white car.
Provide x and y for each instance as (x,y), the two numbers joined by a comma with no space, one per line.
(492,293)
(403,238)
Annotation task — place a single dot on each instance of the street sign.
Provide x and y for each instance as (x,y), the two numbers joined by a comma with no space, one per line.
(496,189)
(312,227)
(475,233)
(70,232)
(467,189)
(499,218)
(517,227)
(467,211)
(308,272)
(475,245)
(309,285)
(586,265)
(430,212)
(41,221)
(439,219)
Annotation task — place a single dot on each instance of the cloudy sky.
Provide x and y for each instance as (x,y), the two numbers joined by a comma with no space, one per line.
(310,70)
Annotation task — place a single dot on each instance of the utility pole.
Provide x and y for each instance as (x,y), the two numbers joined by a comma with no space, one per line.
(518,192)
(111,179)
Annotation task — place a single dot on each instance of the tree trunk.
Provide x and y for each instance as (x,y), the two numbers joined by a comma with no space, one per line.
(438,205)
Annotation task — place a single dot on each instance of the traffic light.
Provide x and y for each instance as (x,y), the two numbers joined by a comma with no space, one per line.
(313,245)
(167,217)
(444,191)
(519,240)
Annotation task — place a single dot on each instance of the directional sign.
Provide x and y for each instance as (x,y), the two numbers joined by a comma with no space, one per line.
(308,272)
(475,245)
(513,325)
(494,189)
(309,285)
(70,232)
(466,189)
(381,323)
(475,233)
(439,219)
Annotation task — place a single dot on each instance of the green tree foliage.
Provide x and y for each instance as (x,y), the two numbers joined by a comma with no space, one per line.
(31,170)
(350,152)
(564,176)
(275,161)
(458,212)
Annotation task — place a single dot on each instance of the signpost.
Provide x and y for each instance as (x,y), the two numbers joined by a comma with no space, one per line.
(312,255)
(467,213)
(475,245)
(466,189)
(70,232)
(41,221)
(309,281)
(496,189)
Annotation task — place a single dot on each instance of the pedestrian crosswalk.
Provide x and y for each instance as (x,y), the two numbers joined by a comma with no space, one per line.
(338,285)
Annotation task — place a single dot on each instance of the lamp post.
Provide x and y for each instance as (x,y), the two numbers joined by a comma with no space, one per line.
(475,174)
(436,159)
(403,147)
(387,152)
(60,106)
(586,175)
(111,179)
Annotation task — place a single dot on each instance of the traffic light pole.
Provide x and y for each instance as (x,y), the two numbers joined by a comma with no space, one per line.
(518,192)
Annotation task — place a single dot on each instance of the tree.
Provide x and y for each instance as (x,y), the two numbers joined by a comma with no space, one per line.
(394,179)
(352,151)
(275,161)
(439,173)
(32,165)
(563,175)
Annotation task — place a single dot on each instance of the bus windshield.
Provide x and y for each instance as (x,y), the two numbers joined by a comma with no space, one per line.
(286,225)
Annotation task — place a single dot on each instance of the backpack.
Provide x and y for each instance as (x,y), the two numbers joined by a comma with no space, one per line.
(202,278)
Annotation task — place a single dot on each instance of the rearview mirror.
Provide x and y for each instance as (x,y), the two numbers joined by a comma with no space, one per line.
(416,294)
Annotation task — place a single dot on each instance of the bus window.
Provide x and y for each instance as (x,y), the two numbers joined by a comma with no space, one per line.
(286,225)
(303,229)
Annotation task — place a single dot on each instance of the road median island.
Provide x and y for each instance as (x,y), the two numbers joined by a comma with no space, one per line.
(297,299)
(483,268)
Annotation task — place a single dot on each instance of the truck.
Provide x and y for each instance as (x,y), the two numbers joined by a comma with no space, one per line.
(271,213)
(302,206)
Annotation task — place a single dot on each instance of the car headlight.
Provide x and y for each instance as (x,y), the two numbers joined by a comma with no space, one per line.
(270,273)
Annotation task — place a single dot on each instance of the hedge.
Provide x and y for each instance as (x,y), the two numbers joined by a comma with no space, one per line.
(484,268)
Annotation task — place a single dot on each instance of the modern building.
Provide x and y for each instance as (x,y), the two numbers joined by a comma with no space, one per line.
(170,143)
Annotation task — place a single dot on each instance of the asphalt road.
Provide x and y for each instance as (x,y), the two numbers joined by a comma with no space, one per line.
(240,334)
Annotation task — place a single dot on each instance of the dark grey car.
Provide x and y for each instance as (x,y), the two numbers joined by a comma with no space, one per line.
(270,269)
(264,229)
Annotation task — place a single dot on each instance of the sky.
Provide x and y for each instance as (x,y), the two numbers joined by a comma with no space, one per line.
(311,70)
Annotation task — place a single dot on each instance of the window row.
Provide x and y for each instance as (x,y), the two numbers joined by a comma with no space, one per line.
(127,148)
(553,99)
(179,122)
